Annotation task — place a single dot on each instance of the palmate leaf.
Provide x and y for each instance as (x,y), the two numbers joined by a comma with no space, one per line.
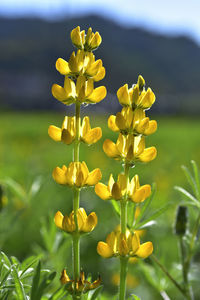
(188,195)
(45,283)
(27,264)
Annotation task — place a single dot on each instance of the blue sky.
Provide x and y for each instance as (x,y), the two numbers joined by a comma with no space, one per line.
(170,16)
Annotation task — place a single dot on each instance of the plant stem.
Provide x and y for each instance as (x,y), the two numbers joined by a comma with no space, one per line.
(123,222)
(123,273)
(168,275)
(76,236)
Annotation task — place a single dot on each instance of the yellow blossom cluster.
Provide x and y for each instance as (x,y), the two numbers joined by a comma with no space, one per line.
(83,68)
(67,133)
(121,244)
(67,223)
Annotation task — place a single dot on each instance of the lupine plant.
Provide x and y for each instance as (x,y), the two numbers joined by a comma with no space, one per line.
(81,71)
(133,126)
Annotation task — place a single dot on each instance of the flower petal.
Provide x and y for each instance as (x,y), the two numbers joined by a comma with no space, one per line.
(145,250)
(110,149)
(55,133)
(104,250)
(62,66)
(148,154)
(97,95)
(112,124)
(58,219)
(92,136)
(102,191)
(59,175)
(94,177)
(123,95)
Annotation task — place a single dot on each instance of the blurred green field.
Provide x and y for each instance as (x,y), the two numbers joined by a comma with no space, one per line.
(27,153)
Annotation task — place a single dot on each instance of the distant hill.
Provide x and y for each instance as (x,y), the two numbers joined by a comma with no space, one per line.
(30,47)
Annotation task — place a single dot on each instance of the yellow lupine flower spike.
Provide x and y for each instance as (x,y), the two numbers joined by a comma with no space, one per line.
(124,245)
(77,174)
(132,122)
(82,92)
(89,42)
(67,132)
(67,223)
(137,193)
(136,96)
(82,63)
(129,148)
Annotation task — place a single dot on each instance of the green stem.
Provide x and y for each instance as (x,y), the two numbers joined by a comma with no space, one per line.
(76,236)
(177,285)
(123,273)
(77,140)
(123,219)
(123,222)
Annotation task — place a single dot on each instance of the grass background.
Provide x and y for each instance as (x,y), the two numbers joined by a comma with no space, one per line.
(26,153)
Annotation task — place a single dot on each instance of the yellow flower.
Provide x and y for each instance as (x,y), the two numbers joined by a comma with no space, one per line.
(120,189)
(135,97)
(88,42)
(82,63)
(82,92)
(80,285)
(77,174)
(118,244)
(67,133)
(114,190)
(129,148)
(67,223)
(132,122)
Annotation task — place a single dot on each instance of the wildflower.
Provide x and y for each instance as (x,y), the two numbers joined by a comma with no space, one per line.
(80,285)
(136,96)
(82,92)
(67,223)
(118,244)
(120,189)
(77,174)
(129,148)
(67,133)
(132,122)
(82,63)
(88,42)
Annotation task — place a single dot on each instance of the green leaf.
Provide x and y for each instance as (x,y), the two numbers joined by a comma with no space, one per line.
(97,292)
(44,284)
(5,277)
(35,282)
(6,259)
(116,206)
(155,215)
(27,264)
(18,284)
(134,297)
(15,187)
(196,176)
(147,203)
(59,293)
(188,195)
(189,177)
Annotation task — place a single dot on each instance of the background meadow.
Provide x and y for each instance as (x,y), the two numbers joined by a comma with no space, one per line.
(137,39)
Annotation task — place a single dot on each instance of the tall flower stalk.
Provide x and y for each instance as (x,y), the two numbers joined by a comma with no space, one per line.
(81,71)
(133,126)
